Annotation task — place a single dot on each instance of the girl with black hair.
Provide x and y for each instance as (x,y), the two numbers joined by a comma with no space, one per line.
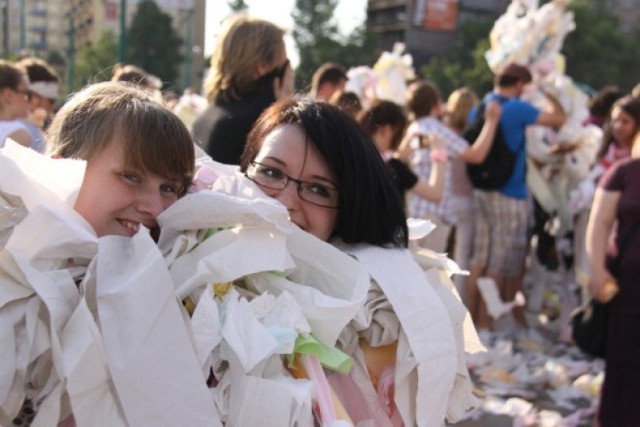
(325,169)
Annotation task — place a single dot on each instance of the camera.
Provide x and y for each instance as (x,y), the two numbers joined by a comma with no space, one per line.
(425,141)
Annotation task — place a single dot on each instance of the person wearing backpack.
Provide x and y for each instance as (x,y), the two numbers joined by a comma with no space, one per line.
(501,207)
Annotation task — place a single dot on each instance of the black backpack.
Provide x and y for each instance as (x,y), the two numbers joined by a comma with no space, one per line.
(497,167)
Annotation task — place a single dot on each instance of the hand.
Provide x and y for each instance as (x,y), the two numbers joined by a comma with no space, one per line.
(563,147)
(493,111)
(603,287)
(285,86)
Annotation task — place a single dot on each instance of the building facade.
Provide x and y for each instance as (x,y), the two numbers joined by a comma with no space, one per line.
(428,27)
(55,27)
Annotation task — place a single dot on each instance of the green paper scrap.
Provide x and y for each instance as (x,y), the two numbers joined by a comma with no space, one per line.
(330,357)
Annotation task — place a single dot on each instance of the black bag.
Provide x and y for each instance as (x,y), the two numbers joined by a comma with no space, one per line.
(589,323)
(497,167)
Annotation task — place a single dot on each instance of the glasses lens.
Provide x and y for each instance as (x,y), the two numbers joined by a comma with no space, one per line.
(266,176)
(273,178)
(318,194)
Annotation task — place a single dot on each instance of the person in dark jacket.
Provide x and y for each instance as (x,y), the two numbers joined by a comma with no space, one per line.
(249,71)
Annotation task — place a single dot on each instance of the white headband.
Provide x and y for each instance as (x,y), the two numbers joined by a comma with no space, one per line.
(45,89)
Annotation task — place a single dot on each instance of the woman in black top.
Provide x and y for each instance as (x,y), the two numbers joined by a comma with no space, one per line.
(386,122)
(249,71)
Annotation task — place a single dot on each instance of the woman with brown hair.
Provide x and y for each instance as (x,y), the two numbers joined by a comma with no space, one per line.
(249,71)
(14,104)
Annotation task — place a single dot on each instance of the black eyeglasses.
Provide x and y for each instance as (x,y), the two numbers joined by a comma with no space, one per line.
(270,177)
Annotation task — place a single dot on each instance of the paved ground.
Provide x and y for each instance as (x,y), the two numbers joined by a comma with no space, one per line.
(532,377)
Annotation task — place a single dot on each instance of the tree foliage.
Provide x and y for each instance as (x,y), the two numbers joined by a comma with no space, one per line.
(94,63)
(154,45)
(597,52)
(319,40)
(465,66)
(237,5)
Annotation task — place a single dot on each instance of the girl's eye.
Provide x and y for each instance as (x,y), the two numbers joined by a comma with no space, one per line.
(168,188)
(319,190)
(270,172)
(131,177)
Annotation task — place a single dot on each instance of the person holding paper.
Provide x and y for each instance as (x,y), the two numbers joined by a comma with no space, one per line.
(78,343)
(408,355)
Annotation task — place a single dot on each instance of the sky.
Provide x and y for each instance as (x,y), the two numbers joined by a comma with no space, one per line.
(348,15)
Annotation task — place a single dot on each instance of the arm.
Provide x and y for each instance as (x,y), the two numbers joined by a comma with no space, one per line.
(433,188)
(554,117)
(22,137)
(603,214)
(477,152)
(405,149)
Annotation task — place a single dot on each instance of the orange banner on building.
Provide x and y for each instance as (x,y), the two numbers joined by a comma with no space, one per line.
(436,15)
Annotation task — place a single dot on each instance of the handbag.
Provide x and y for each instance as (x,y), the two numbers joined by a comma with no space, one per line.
(589,321)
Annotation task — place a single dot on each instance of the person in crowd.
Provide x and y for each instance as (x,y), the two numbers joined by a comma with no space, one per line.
(135,75)
(347,101)
(501,219)
(386,123)
(325,169)
(14,104)
(249,71)
(139,161)
(459,105)
(44,88)
(150,157)
(600,105)
(423,103)
(328,79)
(623,125)
(616,207)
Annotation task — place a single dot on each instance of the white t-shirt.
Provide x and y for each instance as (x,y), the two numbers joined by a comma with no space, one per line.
(7,127)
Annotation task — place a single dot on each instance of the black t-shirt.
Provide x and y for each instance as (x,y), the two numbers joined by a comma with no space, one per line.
(402,175)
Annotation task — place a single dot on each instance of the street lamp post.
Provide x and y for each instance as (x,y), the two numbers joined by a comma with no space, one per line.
(188,51)
(122,47)
(71,50)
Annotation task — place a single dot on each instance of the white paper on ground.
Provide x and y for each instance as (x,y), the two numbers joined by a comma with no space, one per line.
(491,296)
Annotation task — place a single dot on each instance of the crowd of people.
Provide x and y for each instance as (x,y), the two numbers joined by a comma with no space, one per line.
(280,258)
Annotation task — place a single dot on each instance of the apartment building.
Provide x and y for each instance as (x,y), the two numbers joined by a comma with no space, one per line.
(52,27)
(428,27)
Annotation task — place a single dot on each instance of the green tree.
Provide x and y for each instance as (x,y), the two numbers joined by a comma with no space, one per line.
(597,52)
(154,45)
(237,5)
(318,40)
(590,58)
(94,63)
(465,65)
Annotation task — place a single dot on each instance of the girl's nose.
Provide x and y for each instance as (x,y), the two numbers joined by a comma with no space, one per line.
(288,196)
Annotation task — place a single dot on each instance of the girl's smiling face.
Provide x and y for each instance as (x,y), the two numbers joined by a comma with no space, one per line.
(286,150)
(116,199)
(623,126)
